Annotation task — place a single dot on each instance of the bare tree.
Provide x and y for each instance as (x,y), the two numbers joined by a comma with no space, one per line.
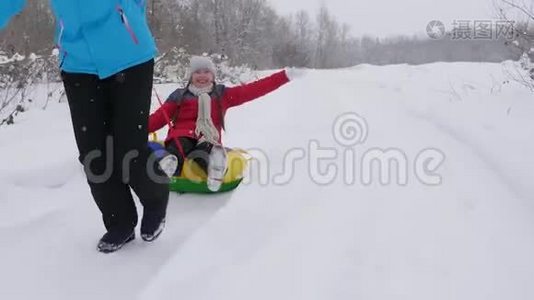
(304,34)
(522,14)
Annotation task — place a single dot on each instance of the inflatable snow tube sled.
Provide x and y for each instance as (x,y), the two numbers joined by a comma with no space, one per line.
(193,179)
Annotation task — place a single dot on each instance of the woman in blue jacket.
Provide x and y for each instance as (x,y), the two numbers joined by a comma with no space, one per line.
(106,60)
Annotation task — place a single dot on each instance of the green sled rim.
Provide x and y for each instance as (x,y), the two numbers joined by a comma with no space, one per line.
(182,185)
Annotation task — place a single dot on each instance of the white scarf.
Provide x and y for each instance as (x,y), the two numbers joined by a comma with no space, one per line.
(204,126)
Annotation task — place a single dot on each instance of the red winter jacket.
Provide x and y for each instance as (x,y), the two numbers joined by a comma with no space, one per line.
(182,106)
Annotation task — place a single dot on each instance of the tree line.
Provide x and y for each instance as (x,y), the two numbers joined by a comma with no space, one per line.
(251,32)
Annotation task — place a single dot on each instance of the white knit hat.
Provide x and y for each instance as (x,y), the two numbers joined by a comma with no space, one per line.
(199,63)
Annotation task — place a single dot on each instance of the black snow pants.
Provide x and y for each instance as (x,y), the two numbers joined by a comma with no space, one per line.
(110,118)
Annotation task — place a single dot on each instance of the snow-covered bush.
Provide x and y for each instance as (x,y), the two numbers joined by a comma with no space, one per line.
(522,15)
(18,76)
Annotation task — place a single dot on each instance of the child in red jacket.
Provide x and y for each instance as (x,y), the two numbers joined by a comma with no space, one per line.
(197,111)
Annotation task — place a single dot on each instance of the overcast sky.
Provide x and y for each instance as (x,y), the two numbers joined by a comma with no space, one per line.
(389,17)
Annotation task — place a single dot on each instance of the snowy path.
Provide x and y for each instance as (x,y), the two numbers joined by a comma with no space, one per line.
(470,237)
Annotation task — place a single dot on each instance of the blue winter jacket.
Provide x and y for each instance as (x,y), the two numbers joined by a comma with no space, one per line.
(101,37)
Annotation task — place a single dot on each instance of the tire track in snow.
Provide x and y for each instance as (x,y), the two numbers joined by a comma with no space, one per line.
(512,186)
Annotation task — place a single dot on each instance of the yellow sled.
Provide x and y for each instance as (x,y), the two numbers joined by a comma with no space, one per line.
(194,180)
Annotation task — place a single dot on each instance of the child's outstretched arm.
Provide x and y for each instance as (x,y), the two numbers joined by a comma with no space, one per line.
(238,95)
(162,116)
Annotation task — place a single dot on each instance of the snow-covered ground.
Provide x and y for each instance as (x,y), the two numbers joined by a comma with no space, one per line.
(299,232)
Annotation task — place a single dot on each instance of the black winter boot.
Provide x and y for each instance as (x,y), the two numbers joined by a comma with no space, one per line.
(152,226)
(114,239)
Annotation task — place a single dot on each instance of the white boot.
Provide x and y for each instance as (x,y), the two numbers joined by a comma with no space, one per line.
(216,168)
(168,164)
